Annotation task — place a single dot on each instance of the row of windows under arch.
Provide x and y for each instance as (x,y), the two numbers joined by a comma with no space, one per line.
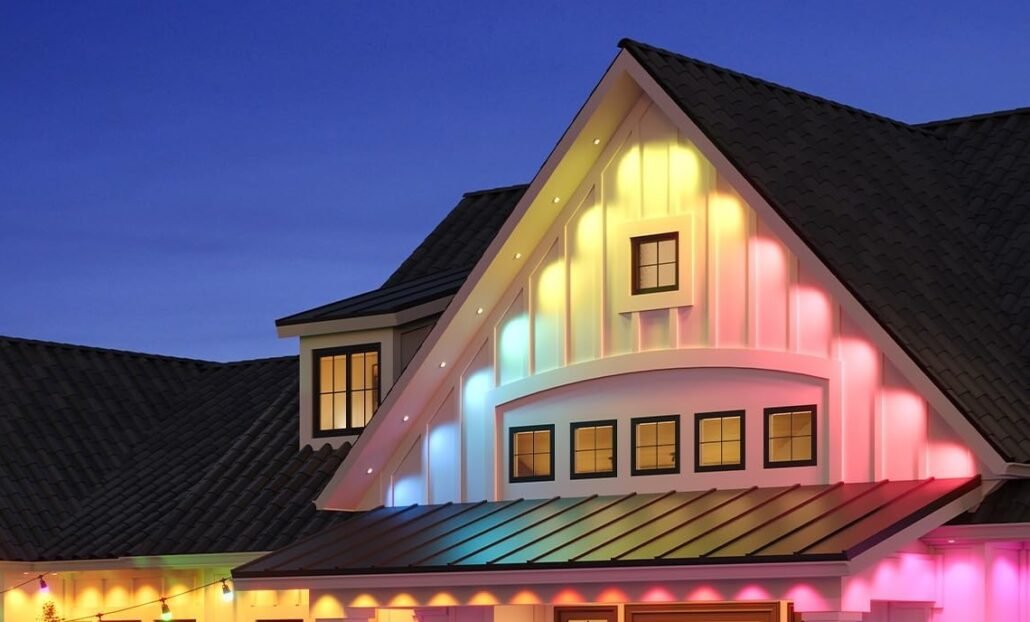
(719,440)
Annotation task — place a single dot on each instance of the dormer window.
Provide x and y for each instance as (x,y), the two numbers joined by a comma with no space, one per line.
(346,388)
(655,263)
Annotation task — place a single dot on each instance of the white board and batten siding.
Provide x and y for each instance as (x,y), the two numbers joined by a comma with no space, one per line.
(748,329)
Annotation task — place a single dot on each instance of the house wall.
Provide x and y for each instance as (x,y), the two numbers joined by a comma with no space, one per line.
(84,593)
(568,328)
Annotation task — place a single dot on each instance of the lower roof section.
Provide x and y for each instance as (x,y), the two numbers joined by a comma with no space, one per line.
(789,524)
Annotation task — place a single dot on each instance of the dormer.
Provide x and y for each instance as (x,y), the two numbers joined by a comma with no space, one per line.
(353,350)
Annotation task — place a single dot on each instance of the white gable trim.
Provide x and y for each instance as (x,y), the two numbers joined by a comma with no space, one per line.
(876,332)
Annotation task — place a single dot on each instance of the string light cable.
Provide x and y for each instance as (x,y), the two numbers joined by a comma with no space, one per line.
(43,587)
(166,612)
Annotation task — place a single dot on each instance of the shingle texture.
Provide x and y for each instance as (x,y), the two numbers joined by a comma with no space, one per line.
(107,453)
(795,523)
(902,214)
(437,267)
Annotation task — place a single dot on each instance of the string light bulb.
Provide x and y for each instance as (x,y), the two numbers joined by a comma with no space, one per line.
(166,613)
(226,591)
(43,587)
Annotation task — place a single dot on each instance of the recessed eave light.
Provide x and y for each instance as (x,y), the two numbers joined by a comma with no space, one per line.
(479,311)
(405,418)
(597,141)
(556,200)
(518,255)
(368,470)
(443,364)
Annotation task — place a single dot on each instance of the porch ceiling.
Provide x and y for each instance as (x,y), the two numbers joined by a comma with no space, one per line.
(789,524)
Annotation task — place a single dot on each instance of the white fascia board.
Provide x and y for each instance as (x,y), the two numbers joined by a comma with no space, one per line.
(365,322)
(855,310)
(958,535)
(449,337)
(567,576)
(155,562)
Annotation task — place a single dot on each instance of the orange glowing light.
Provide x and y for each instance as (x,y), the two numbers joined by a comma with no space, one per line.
(568,596)
(613,595)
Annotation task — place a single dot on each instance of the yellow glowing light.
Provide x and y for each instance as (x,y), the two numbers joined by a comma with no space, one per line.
(551,287)
(479,311)
(365,600)
(556,200)
(403,600)
(686,166)
(627,180)
(518,255)
(443,599)
(525,597)
(483,597)
(597,141)
(727,213)
(588,230)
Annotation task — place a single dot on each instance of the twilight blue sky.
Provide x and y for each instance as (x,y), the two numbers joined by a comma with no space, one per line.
(176,175)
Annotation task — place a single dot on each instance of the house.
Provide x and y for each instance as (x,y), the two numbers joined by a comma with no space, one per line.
(736,353)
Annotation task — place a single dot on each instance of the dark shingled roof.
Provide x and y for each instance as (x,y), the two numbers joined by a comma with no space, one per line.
(752,525)
(437,268)
(893,210)
(108,453)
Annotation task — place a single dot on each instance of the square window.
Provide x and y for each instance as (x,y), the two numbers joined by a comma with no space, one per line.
(346,388)
(790,436)
(532,453)
(655,263)
(655,445)
(720,441)
(593,449)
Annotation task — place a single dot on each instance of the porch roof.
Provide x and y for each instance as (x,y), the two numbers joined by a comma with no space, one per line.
(797,523)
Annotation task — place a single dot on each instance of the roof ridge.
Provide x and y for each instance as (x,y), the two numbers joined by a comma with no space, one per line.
(261,359)
(982,116)
(497,190)
(627,43)
(99,349)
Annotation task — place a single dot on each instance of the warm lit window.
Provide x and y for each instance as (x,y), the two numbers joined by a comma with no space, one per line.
(347,387)
(655,263)
(532,453)
(593,449)
(656,445)
(720,441)
(790,436)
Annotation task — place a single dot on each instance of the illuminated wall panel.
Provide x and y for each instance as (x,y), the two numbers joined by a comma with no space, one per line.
(621,198)
(513,342)
(728,218)
(860,362)
(814,319)
(772,282)
(477,426)
(548,288)
(585,239)
(444,461)
(408,480)
(657,135)
(903,428)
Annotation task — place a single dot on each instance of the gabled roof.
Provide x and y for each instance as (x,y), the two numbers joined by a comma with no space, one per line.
(434,270)
(753,525)
(890,209)
(107,453)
